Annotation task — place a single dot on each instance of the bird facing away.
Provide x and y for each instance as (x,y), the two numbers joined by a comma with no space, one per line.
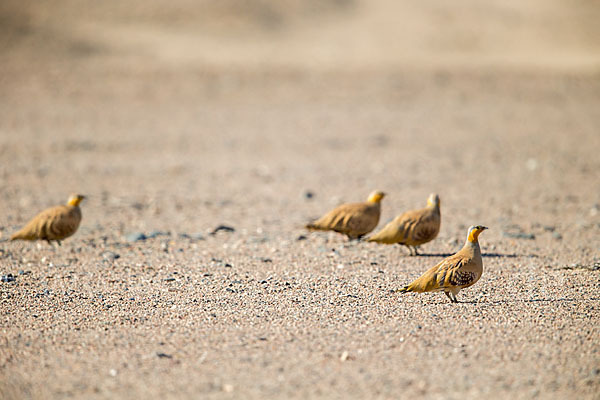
(55,223)
(354,220)
(413,228)
(454,273)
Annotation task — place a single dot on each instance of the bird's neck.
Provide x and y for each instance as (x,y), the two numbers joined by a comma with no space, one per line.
(434,207)
(472,245)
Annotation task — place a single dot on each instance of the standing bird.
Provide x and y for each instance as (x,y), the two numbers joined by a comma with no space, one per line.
(55,223)
(454,273)
(413,228)
(354,220)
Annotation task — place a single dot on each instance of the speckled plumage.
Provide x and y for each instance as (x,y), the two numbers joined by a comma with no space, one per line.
(454,273)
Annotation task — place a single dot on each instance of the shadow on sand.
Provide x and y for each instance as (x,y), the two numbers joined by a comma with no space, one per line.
(490,255)
(515,301)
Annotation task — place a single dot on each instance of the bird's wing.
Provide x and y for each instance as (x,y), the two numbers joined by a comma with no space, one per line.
(361,219)
(62,223)
(339,217)
(34,229)
(426,226)
(455,272)
(438,276)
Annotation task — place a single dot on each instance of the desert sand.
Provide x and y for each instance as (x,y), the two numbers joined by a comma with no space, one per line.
(175,119)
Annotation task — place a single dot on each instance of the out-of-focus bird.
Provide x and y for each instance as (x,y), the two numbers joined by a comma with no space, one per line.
(413,228)
(454,273)
(354,220)
(55,223)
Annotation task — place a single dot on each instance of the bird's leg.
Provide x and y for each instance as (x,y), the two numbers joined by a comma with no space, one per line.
(448,295)
(59,243)
(409,249)
(454,299)
(416,250)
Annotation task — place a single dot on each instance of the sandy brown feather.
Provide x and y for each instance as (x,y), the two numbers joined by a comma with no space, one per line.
(452,274)
(413,228)
(56,223)
(354,220)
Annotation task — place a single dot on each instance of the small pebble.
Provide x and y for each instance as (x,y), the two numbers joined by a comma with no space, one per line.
(222,228)
(135,237)
(557,235)
(154,234)
(197,236)
(8,278)
(110,256)
(227,388)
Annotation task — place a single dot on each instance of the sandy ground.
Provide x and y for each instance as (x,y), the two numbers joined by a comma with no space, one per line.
(177,119)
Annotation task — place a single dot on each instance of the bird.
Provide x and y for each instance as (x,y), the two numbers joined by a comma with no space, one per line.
(55,223)
(459,271)
(354,219)
(412,228)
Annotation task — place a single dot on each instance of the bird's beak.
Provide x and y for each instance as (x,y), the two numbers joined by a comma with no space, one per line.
(483,228)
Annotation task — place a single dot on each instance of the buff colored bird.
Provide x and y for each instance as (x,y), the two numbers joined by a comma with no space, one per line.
(413,228)
(354,220)
(55,223)
(454,273)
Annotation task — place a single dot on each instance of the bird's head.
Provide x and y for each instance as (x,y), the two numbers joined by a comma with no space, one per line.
(433,200)
(376,197)
(75,199)
(474,232)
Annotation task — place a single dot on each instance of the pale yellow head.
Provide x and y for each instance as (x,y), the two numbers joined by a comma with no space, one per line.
(376,197)
(474,232)
(433,200)
(75,199)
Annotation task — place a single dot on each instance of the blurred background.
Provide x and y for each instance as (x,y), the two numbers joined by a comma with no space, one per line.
(147,102)
(334,35)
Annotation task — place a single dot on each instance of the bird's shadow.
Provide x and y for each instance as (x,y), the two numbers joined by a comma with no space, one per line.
(515,301)
(486,255)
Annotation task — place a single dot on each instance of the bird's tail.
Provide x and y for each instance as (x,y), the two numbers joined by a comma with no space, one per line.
(22,235)
(313,227)
(405,289)
(16,236)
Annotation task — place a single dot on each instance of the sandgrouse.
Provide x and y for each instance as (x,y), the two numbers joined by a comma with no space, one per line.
(454,273)
(55,223)
(413,228)
(354,220)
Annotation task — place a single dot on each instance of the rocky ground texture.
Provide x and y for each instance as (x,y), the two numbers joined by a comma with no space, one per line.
(205,146)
